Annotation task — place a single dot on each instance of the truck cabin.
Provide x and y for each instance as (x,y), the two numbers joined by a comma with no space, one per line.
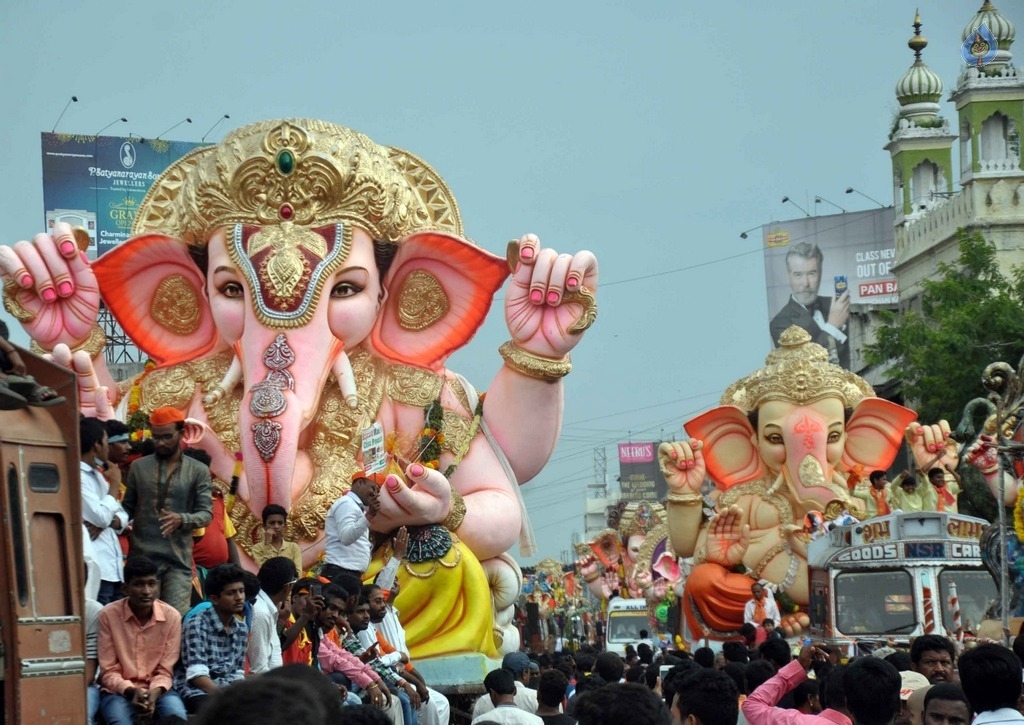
(899,576)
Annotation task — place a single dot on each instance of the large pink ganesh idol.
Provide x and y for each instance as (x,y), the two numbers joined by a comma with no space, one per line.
(297,284)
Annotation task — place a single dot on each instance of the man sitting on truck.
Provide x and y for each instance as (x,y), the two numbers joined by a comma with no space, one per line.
(876,496)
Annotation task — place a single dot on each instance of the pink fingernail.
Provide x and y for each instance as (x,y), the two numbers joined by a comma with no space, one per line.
(48,295)
(392,483)
(552,298)
(572,283)
(64,288)
(526,252)
(416,470)
(536,296)
(67,247)
(26,280)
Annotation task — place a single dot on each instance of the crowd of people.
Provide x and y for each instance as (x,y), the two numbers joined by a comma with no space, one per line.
(928,684)
(174,623)
(177,630)
(933,490)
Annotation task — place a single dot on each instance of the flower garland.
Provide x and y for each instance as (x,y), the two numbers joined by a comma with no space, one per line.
(138,422)
(432,436)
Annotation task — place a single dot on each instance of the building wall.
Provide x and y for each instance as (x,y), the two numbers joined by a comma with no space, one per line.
(993,206)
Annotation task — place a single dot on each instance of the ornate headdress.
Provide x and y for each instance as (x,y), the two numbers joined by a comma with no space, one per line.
(640,518)
(303,172)
(290,193)
(797,371)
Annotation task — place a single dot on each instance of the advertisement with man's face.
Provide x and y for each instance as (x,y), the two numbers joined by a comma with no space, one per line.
(816,268)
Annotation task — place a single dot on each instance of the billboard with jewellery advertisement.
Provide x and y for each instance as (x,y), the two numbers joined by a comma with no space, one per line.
(98,182)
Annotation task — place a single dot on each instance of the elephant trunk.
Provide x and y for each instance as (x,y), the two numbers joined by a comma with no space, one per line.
(807,466)
(281,397)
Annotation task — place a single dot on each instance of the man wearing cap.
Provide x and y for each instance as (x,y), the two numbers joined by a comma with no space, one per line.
(910,682)
(518,664)
(168,496)
(347,527)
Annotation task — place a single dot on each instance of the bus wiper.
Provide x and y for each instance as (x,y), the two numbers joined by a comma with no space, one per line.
(896,630)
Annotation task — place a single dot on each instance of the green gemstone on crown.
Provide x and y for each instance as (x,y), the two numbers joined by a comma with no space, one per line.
(285,162)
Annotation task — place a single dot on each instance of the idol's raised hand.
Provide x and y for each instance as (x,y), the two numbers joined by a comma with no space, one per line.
(550,301)
(50,288)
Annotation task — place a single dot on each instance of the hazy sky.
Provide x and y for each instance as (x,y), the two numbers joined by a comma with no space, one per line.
(652,133)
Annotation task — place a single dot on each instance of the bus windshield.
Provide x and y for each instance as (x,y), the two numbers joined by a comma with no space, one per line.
(975,590)
(626,626)
(875,602)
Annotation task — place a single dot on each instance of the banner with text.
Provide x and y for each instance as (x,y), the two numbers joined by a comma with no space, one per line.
(856,252)
(640,477)
(98,182)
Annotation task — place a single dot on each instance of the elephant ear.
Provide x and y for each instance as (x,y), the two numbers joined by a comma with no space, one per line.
(874,434)
(440,288)
(155,291)
(729,450)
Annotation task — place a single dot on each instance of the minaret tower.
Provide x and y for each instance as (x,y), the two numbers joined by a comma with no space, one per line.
(920,142)
(989,99)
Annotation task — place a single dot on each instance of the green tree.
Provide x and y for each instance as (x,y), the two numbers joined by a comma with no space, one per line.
(970,315)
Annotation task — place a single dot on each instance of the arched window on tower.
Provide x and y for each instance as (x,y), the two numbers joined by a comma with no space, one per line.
(926,181)
(966,163)
(994,142)
(897,189)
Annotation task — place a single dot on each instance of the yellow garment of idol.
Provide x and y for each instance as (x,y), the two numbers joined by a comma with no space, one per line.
(445,605)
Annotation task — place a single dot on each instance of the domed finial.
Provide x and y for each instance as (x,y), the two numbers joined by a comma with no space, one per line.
(920,89)
(918,42)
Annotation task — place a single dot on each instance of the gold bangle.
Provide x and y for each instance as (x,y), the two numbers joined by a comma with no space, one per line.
(534,366)
(93,344)
(686,499)
(457,513)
